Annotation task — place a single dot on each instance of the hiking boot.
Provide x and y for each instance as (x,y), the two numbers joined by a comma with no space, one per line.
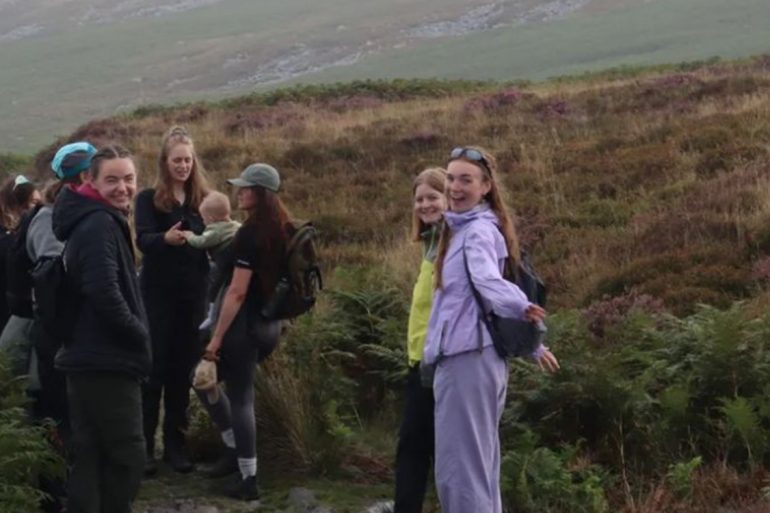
(177,458)
(150,466)
(226,464)
(244,489)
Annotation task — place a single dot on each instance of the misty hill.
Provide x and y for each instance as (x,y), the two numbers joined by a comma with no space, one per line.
(65,62)
(654,183)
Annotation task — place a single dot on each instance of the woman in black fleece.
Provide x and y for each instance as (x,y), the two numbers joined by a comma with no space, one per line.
(109,351)
(173,281)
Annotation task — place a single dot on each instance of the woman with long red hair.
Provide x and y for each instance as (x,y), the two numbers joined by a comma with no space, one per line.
(242,337)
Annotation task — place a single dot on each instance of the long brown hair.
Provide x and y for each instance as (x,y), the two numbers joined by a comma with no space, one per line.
(435,178)
(268,222)
(496,199)
(269,219)
(14,199)
(195,188)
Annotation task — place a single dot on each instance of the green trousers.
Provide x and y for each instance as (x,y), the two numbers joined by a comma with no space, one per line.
(108,442)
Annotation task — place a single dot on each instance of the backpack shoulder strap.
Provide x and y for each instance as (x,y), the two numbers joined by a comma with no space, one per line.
(483,314)
(475,291)
(302,230)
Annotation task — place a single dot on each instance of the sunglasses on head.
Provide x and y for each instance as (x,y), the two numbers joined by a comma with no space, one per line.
(19,180)
(470,154)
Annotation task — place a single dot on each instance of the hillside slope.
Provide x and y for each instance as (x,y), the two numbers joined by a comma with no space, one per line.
(656,183)
(64,63)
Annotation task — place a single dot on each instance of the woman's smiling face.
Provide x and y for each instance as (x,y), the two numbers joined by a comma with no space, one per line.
(429,204)
(467,185)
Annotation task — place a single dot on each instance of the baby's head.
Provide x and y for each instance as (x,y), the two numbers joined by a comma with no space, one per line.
(215,208)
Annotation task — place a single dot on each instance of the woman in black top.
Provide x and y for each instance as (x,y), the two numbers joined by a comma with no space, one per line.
(109,350)
(242,335)
(17,196)
(173,281)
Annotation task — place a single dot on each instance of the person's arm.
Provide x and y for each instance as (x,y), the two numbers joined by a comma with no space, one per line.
(231,305)
(208,239)
(98,267)
(150,237)
(41,241)
(504,297)
(545,359)
(498,295)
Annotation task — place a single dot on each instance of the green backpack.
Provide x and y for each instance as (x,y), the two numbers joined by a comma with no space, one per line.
(298,288)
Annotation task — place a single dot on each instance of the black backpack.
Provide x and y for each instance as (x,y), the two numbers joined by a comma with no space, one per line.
(523,274)
(54,306)
(512,337)
(298,288)
(5,242)
(18,291)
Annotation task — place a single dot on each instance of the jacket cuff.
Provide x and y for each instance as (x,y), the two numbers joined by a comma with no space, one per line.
(538,353)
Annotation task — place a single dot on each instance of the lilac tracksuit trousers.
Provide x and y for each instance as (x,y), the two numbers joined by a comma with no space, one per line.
(471,379)
(469,389)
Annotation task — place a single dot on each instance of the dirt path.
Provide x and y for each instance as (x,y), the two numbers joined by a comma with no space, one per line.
(193,493)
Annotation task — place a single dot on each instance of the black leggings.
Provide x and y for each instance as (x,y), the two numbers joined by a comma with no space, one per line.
(415,445)
(242,348)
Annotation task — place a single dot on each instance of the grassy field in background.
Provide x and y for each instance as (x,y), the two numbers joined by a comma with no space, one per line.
(651,33)
(56,82)
(53,83)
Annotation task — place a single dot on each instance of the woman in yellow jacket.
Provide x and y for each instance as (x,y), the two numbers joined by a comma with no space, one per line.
(415,443)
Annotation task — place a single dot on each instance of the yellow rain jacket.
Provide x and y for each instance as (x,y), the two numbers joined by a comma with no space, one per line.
(422,297)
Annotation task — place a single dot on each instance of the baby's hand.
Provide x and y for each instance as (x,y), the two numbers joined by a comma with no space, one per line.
(187,234)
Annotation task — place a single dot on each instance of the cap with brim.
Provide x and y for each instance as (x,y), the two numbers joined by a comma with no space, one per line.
(258,175)
(72,159)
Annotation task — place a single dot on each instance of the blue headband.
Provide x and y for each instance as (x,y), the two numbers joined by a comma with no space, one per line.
(72,159)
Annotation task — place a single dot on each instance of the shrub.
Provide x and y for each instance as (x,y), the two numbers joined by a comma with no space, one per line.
(541,479)
(494,102)
(612,311)
(26,452)
(11,162)
(680,476)
(246,121)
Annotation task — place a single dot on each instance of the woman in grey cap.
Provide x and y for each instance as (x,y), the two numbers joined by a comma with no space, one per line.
(242,338)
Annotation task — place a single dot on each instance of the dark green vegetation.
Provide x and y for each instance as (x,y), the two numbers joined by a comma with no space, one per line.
(25,451)
(643,196)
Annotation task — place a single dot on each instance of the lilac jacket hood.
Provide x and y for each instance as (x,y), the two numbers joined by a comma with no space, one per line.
(455,324)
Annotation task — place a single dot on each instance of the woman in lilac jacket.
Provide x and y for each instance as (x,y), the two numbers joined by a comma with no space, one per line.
(470,378)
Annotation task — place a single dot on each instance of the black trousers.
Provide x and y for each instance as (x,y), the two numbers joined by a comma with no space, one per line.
(176,349)
(414,454)
(107,440)
(52,398)
(50,402)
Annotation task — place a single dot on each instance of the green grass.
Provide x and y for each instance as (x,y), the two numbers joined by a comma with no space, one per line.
(656,32)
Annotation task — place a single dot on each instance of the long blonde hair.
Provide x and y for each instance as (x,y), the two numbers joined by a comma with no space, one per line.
(435,178)
(496,199)
(195,188)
